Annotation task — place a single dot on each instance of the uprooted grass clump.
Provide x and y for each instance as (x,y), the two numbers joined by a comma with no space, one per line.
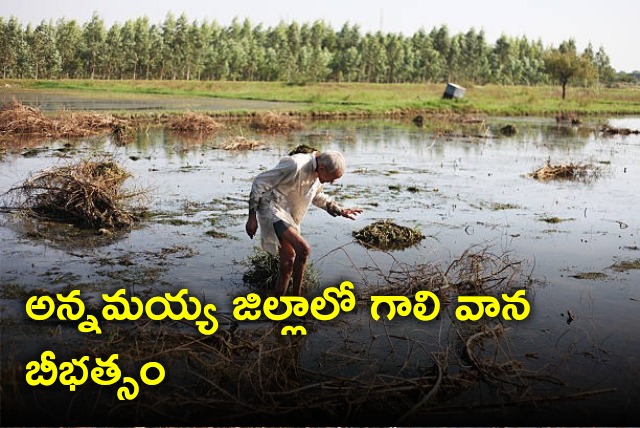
(568,171)
(302,148)
(88,193)
(386,235)
(241,143)
(274,122)
(263,267)
(18,119)
(195,122)
(612,130)
(626,265)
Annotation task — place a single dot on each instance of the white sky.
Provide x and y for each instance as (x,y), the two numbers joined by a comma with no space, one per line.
(612,24)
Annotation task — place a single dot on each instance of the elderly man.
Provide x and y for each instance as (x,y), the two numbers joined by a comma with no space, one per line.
(280,199)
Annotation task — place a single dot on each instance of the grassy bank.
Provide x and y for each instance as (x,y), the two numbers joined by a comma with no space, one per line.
(375,99)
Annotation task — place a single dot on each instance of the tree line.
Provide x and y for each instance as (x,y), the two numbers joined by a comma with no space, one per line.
(290,52)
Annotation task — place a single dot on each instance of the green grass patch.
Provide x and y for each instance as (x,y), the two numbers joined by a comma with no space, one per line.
(373,98)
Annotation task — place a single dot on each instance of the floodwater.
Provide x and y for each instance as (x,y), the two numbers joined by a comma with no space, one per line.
(462,192)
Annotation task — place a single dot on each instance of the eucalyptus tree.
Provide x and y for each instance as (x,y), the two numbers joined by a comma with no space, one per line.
(156,49)
(69,43)
(181,46)
(278,40)
(427,61)
(269,70)
(476,67)
(313,58)
(196,36)
(395,55)
(167,62)
(113,57)
(256,50)
(24,54)
(442,43)
(215,66)
(128,51)
(237,59)
(142,42)
(347,58)
(531,57)
(455,59)
(374,59)
(93,34)
(179,49)
(11,39)
(606,73)
(500,60)
(45,53)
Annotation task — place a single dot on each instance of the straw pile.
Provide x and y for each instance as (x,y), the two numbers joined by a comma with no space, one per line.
(241,143)
(17,119)
(87,194)
(195,122)
(569,171)
(274,122)
(386,235)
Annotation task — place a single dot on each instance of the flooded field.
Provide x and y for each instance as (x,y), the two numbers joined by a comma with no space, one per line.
(106,101)
(575,242)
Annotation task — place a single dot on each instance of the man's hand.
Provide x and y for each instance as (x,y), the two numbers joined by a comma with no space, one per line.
(350,213)
(252,225)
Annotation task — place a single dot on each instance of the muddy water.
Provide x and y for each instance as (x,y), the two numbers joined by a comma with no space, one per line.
(460,191)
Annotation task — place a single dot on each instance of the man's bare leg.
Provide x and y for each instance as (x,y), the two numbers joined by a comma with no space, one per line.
(286,262)
(296,265)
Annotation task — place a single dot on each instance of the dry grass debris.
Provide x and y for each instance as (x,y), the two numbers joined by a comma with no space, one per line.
(626,265)
(195,122)
(386,235)
(18,119)
(241,143)
(568,171)
(274,122)
(88,193)
(475,271)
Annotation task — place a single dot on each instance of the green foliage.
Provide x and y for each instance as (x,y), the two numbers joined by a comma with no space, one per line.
(178,49)
(565,65)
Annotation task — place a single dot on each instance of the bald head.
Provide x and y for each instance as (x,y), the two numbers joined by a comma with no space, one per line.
(332,161)
(330,167)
